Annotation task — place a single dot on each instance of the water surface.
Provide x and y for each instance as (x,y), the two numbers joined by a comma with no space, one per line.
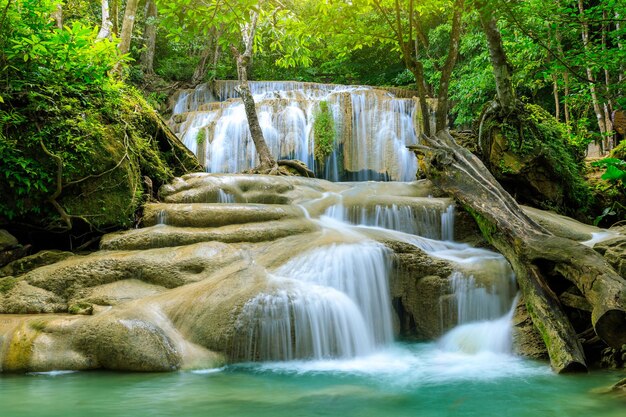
(404,380)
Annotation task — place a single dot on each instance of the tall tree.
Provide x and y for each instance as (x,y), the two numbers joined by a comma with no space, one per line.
(499,64)
(107,25)
(244,60)
(150,32)
(130,13)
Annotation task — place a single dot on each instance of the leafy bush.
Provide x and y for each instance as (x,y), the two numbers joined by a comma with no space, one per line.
(324,128)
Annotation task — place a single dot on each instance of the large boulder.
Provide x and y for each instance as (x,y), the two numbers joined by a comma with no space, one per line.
(90,165)
(528,153)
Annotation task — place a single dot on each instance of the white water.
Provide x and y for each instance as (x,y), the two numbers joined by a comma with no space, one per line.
(333,302)
(372,128)
(423,221)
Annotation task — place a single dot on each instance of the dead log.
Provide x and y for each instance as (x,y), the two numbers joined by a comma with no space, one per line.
(533,252)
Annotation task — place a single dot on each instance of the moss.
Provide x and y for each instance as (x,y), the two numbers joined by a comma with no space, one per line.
(80,308)
(19,352)
(107,142)
(619,151)
(37,324)
(7,284)
(487,228)
(532,140)
(324,128)
(201,136)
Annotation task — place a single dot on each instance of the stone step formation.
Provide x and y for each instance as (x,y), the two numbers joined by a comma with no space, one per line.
(240,267)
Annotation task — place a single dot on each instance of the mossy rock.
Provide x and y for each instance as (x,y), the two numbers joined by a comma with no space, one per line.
(92,161)
(529,154)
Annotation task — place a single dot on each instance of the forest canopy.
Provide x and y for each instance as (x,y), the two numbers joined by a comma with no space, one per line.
(565,56)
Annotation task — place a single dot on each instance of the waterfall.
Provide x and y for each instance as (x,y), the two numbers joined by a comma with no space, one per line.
(488,336)
(372,128)
(427,221)
(303,322)
(333,302)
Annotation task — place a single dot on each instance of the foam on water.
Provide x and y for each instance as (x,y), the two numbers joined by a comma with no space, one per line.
(405,365)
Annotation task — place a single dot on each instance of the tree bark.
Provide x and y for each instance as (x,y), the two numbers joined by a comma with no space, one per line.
(147,56)
(248,31)
(566,110)
(210,50)
(115,11)
(58,15)
(608,103)
(107,25)
(127,26)
(417,69)
(592,86)
(413,64)
(443,105)
(500,66)
(534,253)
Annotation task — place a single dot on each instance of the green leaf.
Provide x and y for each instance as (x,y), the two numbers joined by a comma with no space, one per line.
(613,173)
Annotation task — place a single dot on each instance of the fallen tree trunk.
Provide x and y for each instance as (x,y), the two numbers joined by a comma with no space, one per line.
(534,253)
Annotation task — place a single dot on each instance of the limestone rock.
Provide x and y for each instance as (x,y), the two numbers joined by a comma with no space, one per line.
(115,293)
(561,225)
(24,298)
(168,236)
(28,263)
(7,240)
(216,215)
(419,285)
(130,344)
(167,268)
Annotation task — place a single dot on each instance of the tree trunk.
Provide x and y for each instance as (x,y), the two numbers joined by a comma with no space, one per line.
(58,15)
(202,68)
(106,26)
(147,56)
(608,104)
(115,11)
(443,105)
(500,66)
(555,92)
(244,60)
(413,64)
(566,111)
(592,86)
(418,72)
(127,26)
(534,253)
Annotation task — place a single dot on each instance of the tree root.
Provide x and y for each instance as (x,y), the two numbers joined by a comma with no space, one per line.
(534,253)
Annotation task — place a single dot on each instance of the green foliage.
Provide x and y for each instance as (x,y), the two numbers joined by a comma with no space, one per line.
(7,284)
(324,131)
(543,139)
(613,190)
(615,171)
(201,136)
(49,74)
(70,133)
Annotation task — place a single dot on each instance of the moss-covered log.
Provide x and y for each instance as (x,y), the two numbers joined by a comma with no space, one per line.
(534,253)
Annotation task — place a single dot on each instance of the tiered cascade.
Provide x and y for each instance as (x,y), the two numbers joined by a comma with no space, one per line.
(371,128)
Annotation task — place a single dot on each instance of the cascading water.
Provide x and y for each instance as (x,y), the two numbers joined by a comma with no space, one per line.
(372,128)
(430,222)
(332,302)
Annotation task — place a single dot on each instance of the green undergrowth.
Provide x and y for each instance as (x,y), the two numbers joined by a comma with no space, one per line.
(324,129)
(76,142)
(534,140)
